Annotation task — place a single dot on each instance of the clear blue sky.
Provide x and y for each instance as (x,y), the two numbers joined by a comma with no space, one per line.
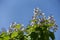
(21,11)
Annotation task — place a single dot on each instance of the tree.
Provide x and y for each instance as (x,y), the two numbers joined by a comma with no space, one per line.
(39,29)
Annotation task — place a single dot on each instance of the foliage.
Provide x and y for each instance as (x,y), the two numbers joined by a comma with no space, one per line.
(39,29)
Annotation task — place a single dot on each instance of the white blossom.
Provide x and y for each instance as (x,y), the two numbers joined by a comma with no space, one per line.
(22,29)
(38,22)
(42,14)
(50,18)
(15,29)
(33,17)
(12,24)
(36,11)
(39,19)
(10,30)
(32,23)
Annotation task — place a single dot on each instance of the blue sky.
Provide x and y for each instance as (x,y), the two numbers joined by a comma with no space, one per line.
(21,11)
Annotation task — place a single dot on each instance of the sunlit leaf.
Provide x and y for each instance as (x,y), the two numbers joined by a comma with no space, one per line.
(14,34)
(6,37)
(18,26)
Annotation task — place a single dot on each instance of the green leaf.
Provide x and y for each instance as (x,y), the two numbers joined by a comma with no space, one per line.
(18,26)
(30,29)
(34,36)
(6,37)
(34,20)
(51,34)
(3,34)
(14,34)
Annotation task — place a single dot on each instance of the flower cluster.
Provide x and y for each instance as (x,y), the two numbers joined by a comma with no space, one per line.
(16,27)
(40,19)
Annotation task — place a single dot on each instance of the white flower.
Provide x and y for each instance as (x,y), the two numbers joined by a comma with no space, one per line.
(56,26)
(12,24)
(39,19)
(42,14)
(36,11)
(32,23)
(33,17)
(22,29)
(15,29)
(38,22)
(10,30)
(50,18)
